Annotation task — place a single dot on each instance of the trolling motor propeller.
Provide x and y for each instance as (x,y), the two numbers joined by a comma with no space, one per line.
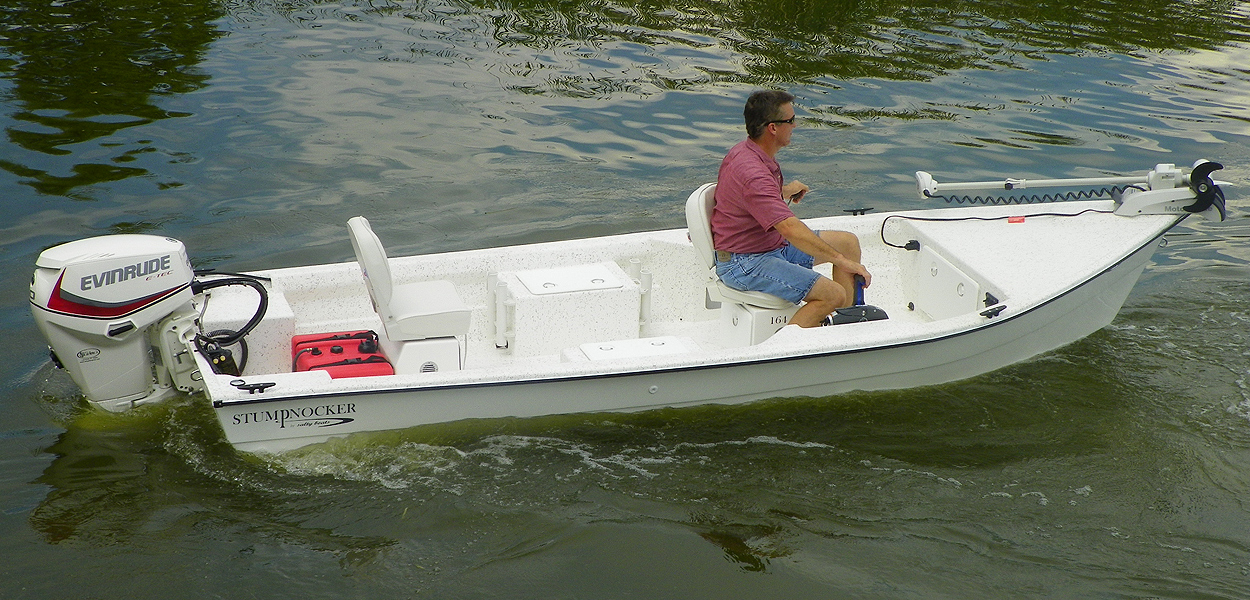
(1205,190)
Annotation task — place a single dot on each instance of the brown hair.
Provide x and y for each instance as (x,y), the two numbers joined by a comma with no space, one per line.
(764,106)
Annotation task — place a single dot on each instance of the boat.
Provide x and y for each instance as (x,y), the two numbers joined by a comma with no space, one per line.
(631,322)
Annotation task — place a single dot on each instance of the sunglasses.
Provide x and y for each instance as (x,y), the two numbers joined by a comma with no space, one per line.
(789,121)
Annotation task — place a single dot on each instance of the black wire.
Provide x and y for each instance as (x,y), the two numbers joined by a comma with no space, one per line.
(198,286)
(976,218)
(241,343)
(210,271)
(224,338)
(314,350)
(1036,198)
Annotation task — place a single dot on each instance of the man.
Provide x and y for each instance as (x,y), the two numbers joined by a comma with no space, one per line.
(760,244)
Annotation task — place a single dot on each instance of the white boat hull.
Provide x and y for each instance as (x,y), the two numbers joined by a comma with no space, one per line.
(265,423)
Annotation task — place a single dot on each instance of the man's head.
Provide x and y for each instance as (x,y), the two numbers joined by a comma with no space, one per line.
(767,107)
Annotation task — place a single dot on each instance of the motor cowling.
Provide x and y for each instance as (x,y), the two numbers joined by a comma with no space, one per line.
(96,300)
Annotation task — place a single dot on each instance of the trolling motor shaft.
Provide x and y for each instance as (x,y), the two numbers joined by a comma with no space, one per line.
(1162,190)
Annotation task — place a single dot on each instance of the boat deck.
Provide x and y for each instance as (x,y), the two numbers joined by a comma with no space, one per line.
(963,267)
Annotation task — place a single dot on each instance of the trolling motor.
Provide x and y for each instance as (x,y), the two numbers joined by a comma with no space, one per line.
(859,311)
(1164,190)
(119,315)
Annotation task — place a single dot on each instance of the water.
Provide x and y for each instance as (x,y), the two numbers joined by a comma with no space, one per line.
(1113,468)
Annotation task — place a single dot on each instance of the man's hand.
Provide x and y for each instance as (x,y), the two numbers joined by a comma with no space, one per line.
(853,268)
(794,191)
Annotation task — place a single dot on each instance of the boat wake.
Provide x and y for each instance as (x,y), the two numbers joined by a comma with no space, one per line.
(531,462)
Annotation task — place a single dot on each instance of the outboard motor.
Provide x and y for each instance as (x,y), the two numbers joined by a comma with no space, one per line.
(97,300)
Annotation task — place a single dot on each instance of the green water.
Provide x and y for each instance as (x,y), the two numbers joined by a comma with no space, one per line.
(1117,467)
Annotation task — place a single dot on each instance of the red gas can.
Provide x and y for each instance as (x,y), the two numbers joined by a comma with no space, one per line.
(341,354)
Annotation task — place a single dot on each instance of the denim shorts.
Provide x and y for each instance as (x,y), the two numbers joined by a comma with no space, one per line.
(785,272)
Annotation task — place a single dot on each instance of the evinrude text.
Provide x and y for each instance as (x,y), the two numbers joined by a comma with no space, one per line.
(143,269)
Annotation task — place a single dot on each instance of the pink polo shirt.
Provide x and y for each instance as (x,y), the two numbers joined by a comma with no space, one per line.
(748,201)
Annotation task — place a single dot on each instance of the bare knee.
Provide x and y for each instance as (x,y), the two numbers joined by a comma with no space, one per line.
(827,292)
(824,298)
(845,242)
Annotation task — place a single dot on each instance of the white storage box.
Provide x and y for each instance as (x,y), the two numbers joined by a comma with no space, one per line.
(554,309)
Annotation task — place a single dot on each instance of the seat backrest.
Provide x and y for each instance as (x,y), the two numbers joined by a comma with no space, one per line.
(373,264)
(699,221)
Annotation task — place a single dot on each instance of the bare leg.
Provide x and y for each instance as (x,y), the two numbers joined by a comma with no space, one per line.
(825,296)
(828,295)
(847,245)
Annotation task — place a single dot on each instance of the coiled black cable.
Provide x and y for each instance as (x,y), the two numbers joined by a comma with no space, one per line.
(224,338)
(1070,196)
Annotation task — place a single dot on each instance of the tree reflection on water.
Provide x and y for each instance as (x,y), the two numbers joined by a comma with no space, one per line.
(802,41)
(85,70)
(79,71)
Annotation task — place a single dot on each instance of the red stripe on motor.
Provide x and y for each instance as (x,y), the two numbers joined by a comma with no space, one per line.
(60,304)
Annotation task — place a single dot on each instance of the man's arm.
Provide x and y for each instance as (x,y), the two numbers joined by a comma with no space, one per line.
(802,237)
